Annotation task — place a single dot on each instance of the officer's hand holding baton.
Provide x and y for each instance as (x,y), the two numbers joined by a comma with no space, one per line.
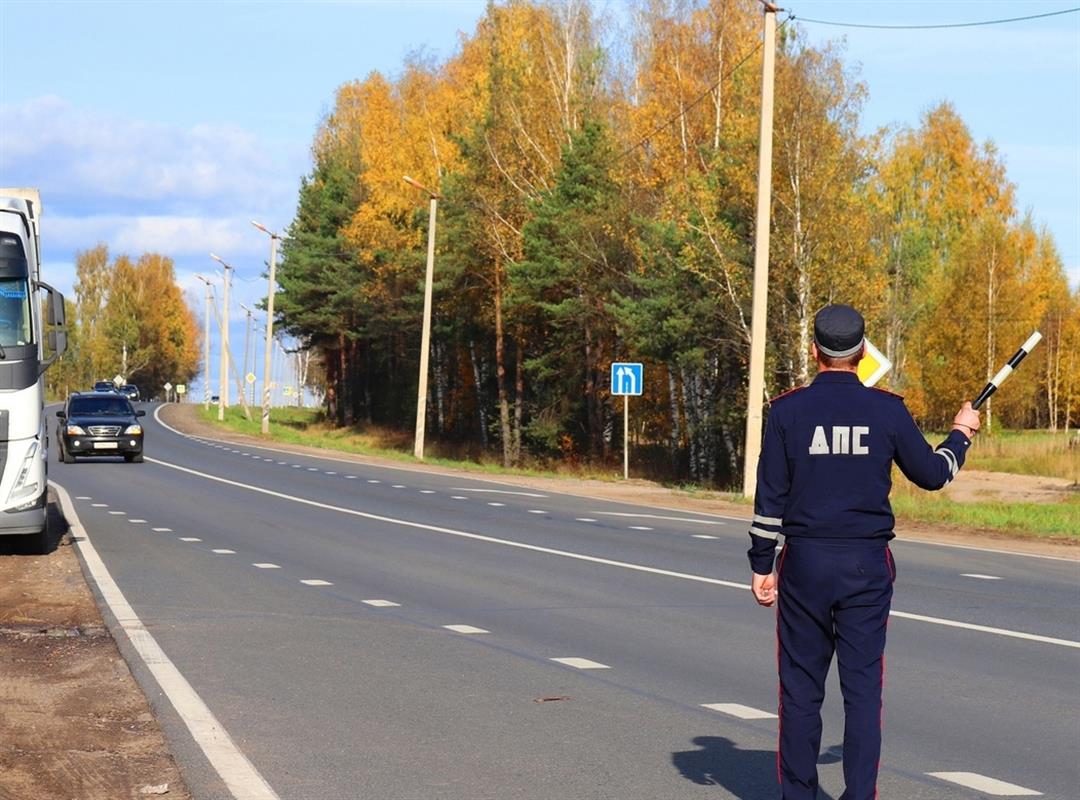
(966,420)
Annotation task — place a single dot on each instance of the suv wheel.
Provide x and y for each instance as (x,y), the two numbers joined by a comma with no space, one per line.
(65,456)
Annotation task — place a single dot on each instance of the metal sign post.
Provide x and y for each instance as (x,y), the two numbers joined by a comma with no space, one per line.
(627,378)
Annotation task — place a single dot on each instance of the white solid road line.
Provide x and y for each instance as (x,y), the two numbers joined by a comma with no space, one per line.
(738,710)
(581,663)
(465,629)
(1031,637)
(565,493)
(266,565)
(979,577)
(381,603)
(316,582)
(239,775)
(981,783)
(659,516)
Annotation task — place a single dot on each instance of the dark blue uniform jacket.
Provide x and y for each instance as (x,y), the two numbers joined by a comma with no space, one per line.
(826,464)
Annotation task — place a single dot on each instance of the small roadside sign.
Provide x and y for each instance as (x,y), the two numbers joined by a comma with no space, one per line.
(250,377)
(118,379)
(627,378)
(168,386)
(287,390)
(873,366)
(181,388)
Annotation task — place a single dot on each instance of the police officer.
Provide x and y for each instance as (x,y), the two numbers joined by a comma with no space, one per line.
(823,482)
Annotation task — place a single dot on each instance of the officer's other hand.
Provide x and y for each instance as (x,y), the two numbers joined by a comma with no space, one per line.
(764,589)
(966,420)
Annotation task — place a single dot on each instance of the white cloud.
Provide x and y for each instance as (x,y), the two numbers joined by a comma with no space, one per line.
(91,160)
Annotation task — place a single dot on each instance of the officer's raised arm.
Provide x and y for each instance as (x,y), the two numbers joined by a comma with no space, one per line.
(933,468)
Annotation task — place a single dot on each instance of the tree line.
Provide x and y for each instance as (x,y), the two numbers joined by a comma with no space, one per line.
(128,318)
(597,191)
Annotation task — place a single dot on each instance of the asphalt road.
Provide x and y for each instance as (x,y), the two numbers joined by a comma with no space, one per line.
(333,696)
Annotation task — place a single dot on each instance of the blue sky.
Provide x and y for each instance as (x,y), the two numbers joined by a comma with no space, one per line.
(169,125)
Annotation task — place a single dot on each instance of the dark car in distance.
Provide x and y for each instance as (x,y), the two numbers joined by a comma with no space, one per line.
(104,386)
(130,391)
(99,424)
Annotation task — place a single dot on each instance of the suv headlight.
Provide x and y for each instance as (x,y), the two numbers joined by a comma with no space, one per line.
(132,430)
(75,430)
(25,486)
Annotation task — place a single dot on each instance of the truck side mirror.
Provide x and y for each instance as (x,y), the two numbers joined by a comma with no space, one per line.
(57,313)
(57,341)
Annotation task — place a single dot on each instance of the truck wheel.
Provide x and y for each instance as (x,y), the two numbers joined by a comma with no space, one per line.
(65,456)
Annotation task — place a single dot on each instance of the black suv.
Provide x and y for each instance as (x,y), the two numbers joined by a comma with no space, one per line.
(99,424)
(104,386)
(130,391)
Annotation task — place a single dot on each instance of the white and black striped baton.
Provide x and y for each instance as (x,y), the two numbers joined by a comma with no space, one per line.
(1006,371)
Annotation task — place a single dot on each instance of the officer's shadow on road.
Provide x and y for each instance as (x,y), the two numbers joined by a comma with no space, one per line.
(747,774)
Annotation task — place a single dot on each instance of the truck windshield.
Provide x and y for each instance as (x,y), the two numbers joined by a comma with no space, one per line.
(14,312)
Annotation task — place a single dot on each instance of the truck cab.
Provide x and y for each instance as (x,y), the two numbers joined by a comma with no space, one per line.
(29,342)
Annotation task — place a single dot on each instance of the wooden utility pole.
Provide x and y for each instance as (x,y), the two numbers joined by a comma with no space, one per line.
(755,398)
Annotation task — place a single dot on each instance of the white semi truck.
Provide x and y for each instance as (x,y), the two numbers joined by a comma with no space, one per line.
(31,338)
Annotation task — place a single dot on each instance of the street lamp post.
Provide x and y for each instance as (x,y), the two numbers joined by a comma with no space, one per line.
(425,336)
(223,368)
(269,326)
(247,342)
(206,346)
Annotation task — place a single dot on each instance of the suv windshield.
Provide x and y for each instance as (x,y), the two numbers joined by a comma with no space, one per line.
(14,312)
(99,406)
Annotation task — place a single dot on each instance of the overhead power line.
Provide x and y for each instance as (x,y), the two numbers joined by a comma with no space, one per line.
(940,25)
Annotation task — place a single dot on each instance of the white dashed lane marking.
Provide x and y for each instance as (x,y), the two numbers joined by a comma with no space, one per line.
(99,505)
(281,463)
(118,513)
(398,486)
(427,491)
(497,505)
(536,511)
(979,577)
(465,629)
(639,528)
(83,497)
(584,519)
(981,783)
(659,516)
(331,473)
(458,497)
(381,603)
(739,711)
(581,663)
(266,565)
(137,521)
(497,491)
(372,480)
(162,530)
(296,466)
(312,469)
(350,477)
(223,552)
(703,536)
(316,582)
(189,539)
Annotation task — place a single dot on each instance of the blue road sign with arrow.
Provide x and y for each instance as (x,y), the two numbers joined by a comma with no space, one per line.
(626,378)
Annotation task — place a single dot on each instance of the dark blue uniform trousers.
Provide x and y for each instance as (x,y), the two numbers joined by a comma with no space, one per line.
(834,596)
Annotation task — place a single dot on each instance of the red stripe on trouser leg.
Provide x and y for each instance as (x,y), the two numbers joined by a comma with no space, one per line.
(780,684)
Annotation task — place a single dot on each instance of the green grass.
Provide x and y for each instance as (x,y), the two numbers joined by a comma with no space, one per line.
(1024,453)
(308,427)
(1028,452)
(1054,520)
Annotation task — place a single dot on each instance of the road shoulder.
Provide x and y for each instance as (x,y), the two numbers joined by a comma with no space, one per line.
(76,724)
